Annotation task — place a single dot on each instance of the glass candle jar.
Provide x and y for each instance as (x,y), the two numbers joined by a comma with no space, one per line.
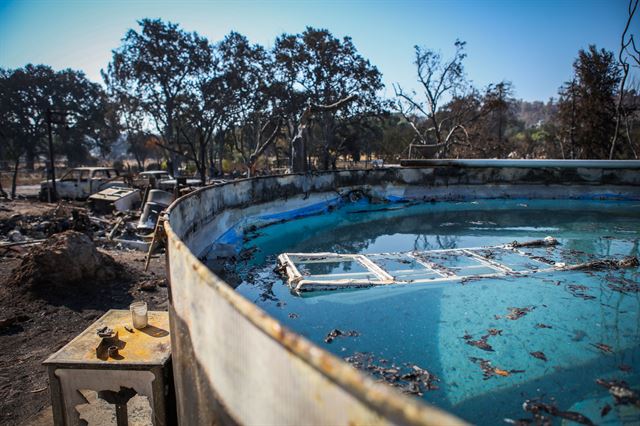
(139,316)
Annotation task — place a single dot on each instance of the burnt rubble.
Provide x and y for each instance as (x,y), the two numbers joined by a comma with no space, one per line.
(117,230)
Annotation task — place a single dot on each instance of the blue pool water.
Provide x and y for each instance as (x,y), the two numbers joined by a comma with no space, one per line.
(586,324)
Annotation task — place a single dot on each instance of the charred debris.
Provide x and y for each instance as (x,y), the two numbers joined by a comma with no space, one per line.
(121,217)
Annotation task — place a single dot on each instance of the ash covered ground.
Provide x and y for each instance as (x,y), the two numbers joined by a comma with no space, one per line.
(52,290)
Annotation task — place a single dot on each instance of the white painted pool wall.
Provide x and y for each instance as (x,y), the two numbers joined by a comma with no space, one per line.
(235,364)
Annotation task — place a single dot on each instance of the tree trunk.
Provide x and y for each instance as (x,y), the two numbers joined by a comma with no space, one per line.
(326,158)
(30,159)
(14,179)
(211,161)
(221,152)
(298,155)
(2,193)
(203,162)
(138,162)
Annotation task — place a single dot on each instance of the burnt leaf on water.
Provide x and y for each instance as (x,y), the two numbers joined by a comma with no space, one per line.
(605,410)
(622,285)
(540,325)
(516,313)
(333,334)
(578,290)
(603,347)
(489,370)
(481,344)
(539,355)
(536,408)
(620,391)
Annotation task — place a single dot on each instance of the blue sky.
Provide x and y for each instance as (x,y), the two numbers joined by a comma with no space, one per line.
(530,43)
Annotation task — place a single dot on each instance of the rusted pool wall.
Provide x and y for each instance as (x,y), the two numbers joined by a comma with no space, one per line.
(235,364)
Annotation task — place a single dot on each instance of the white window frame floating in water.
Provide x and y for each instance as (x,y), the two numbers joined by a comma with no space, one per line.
(428,271)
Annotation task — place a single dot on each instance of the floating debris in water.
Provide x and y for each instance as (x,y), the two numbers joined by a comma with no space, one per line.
(536,408)
(603,347)
(409,378)
(539,355)
(333,334)
(489,370)
(578,290)
(624,367)
(626,262)
(482,342)
(246,254)
(516,313)
(620,391)
(578,335)
(524,422)
(546,242)
(293,315)
(540,325)
(622,285)
(605,410)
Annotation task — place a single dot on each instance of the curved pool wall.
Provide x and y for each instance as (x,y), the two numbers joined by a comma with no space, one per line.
(234,364)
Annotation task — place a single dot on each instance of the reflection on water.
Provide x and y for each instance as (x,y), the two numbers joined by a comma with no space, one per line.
(491,342)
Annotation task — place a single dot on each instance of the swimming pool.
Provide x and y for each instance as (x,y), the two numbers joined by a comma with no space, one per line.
(471,344)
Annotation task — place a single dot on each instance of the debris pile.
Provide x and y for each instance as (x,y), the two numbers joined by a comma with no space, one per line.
(24,227)
(118,228)
(65,261)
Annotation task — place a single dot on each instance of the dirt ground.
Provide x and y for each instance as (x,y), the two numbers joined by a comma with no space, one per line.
(35,324)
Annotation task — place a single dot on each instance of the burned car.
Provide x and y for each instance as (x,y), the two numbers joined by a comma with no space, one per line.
(80,182)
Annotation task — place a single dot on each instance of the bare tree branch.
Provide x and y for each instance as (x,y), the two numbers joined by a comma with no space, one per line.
(624,44)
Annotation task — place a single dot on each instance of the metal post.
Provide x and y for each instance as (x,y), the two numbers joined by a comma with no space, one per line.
(51,160)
